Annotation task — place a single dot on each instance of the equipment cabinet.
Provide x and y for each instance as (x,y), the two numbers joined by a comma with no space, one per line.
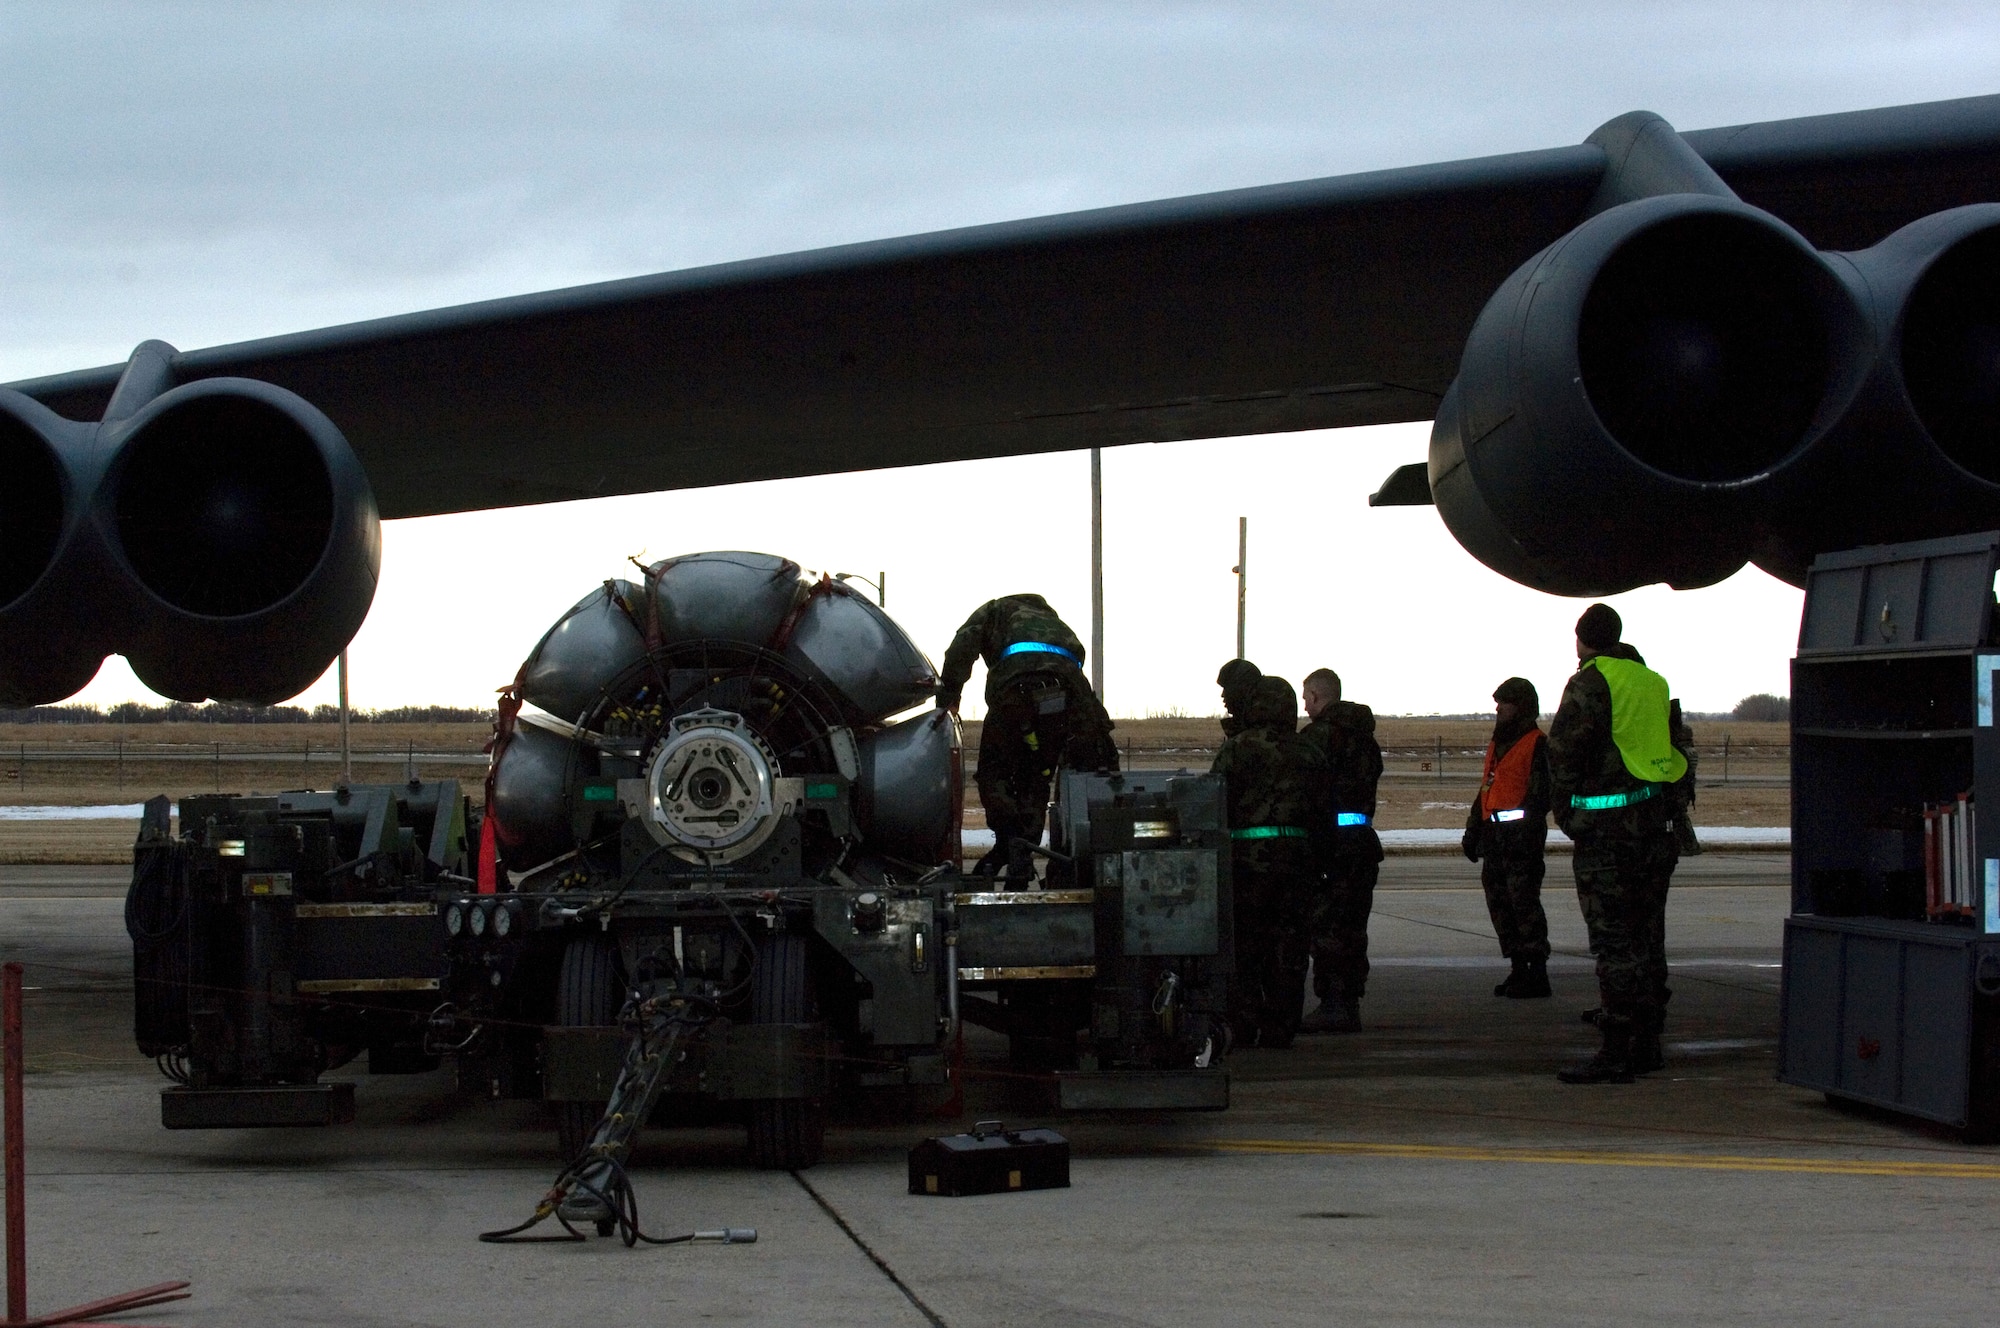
(1892,991)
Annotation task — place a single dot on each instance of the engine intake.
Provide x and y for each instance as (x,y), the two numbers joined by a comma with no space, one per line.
(246,524)
(1916,453)
(1627,393)
(222,535)
(1950,351)
(49,566)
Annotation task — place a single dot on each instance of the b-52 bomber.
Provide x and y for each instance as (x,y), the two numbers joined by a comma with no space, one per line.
(1651,356)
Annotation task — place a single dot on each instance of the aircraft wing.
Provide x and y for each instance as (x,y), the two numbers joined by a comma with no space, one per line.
(1319,304)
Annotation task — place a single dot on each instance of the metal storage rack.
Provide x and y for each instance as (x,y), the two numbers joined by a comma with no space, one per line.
(1893,710)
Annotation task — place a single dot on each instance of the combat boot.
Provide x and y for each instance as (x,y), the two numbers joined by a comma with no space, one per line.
(1613,1062)
(1648,1054)
(1506,984)
(1530,981)
(1319,1019)
(1346,1016)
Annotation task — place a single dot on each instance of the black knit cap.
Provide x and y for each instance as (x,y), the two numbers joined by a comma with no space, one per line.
(1237,673)
(1521,693)
(1600,627)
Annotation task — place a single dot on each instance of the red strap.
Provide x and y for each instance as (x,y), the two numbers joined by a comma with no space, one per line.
(650,629)
(489,856)
(826,585)
(508,709)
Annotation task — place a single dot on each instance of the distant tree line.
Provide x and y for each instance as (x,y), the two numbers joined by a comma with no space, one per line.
(219,712)
(1765,708)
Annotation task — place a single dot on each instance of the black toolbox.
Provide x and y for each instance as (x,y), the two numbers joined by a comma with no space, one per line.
(990,1160)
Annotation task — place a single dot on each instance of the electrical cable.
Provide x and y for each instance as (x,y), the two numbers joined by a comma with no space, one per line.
(599,1170)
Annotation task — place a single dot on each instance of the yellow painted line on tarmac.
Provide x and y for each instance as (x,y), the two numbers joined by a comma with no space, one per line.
(1573,1157)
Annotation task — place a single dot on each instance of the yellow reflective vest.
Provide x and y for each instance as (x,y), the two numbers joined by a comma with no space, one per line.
(1639,701)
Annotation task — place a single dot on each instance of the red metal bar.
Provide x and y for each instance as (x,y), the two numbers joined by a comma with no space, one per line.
(17,1193)
(17,1148)
(122,1303)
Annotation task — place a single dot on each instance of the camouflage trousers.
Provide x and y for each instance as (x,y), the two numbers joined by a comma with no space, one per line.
(1272,908)
(1510,872)
(1341,906)
(1038,725)
(1621,884)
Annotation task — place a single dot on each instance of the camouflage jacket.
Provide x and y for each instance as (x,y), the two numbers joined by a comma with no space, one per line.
(997,624)
(1343,758)
(1264,772)
(1585,762)
(1343,766)
(1683,738)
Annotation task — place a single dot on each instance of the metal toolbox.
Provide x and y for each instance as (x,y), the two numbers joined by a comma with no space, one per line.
(990,1160)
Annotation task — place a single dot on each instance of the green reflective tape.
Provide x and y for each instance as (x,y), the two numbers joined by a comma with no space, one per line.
(1605,801)
(1268,832)
(822,792)
(600,793)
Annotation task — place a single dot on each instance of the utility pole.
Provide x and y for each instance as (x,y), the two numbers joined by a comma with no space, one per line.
(1242,570)
(346,754)
(881,584)
(1097,573)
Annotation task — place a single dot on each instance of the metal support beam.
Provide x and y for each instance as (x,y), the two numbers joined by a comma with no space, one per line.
(1097,572)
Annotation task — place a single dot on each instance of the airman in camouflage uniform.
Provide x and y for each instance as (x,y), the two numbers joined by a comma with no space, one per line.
(1625,851)
(1264,776)
(1510,839)
(1041,715)
(1681,794)
(1344,764)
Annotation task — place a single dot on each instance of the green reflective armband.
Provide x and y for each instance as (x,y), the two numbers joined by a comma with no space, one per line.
(1606,801)
(1268,832)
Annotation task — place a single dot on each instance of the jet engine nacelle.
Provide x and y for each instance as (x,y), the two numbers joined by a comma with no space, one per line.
(222,536)
(1916,453)
(1625,395)
(1682,384)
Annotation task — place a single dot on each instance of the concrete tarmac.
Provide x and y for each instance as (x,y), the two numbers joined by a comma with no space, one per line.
(1428,1170)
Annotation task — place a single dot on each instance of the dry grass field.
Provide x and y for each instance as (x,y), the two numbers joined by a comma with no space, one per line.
(79,764)
(110,764)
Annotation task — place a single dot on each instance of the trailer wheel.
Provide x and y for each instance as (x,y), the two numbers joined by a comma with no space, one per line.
(786,1134)
(587,995)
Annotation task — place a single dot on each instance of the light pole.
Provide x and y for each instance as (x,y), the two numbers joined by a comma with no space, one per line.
(346,753)
(1242,570)
(881,584)
(1097,573)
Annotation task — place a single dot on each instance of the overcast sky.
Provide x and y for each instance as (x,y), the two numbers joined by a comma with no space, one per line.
(210,173)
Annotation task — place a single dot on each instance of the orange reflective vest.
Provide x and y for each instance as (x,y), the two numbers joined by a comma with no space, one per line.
(1505,786)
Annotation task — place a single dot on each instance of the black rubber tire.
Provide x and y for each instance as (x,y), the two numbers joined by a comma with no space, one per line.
(786,1134)
(588,994)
